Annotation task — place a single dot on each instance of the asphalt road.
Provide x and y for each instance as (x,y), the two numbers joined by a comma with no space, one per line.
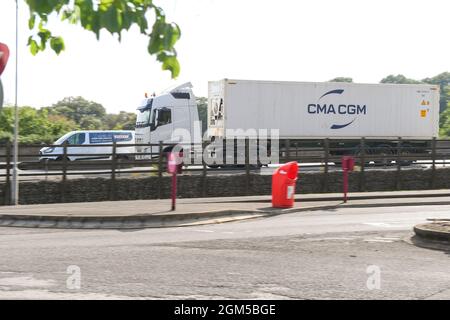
(309,255)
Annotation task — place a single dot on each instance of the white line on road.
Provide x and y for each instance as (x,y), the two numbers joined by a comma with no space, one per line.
(201,230)
(388,238)
(379,224)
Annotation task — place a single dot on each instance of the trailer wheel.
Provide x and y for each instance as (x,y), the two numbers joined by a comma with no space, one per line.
(366,157)
(384,155)
(406,152)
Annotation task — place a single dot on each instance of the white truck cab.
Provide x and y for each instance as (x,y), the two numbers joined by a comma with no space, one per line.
(171,118)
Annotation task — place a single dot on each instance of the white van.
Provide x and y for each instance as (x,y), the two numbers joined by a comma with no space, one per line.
(94,141)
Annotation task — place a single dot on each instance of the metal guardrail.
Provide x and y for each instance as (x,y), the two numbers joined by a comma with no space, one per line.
(395,154)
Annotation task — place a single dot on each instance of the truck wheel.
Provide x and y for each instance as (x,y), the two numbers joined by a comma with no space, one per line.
(122,157)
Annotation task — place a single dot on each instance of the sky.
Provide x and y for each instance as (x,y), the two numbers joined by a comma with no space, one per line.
(292,40)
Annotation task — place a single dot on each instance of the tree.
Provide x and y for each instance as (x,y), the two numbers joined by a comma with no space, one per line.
(202,107)
(36,125)
(443,80)
(78,109)
(341,79)
(122,121)
(399,79)
(444,122)
(114,16)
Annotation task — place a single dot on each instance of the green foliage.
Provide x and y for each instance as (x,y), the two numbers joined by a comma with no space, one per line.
(341,79)
(122,121)
(72,113)
(35,126)
(399,79)
(78,109)
(444,122)
(202,107)
(443,80)
(114,16)
(5,137)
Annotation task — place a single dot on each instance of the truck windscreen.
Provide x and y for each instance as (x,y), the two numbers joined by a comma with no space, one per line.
(143,115)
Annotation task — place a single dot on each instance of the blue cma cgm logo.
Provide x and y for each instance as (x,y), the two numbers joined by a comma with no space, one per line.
(344,109)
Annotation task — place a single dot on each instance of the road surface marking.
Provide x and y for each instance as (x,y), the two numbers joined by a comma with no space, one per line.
(201,230)
(388,238)
(378,224)
(331,238)
(377,240)
(26,282)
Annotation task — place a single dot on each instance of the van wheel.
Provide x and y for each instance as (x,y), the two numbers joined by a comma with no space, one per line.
(61,158)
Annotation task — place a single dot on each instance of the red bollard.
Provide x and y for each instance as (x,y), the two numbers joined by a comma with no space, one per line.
(174,166)
(4,55)
(348,164)
(283,185)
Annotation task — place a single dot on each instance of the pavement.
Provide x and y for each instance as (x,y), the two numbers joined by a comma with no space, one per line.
(138,214)
(436,233)
(344,253)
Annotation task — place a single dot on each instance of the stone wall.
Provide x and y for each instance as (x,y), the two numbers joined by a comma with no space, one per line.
(100,189)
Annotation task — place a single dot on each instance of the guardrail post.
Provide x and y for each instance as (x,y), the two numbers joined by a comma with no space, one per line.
(64,172)
(247,166)
(204,171)
(326,154)
(235,151)
(398,161)
(191,155)
(287,148)
(362,157)
(160,164)
(7,199)
(433,158)
(224,152)
(112,190)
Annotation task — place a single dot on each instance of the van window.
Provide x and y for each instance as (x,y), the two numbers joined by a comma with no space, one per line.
(109,137)
(77,138)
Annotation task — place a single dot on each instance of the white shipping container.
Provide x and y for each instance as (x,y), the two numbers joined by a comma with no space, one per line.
(313,110)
